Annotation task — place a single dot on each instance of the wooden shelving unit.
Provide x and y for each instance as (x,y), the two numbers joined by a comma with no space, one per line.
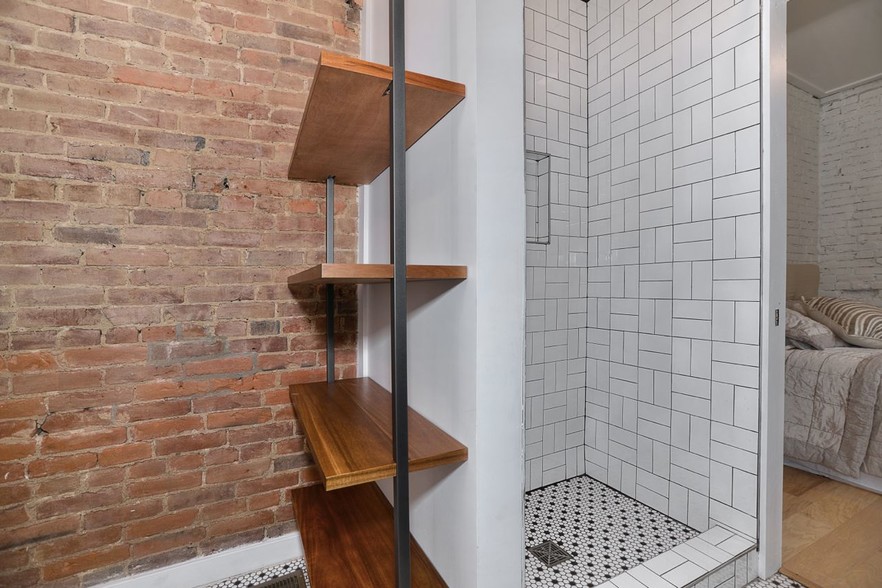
(345,129)
(359,432)
(373,273)
(349,427)
(347,537)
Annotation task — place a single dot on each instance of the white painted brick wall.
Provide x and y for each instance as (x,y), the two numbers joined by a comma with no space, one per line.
(850,225)
(803,134)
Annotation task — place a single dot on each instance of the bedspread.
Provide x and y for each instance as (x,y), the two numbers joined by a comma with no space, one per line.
(833,413)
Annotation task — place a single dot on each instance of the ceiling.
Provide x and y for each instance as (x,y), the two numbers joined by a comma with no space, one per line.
(833,45)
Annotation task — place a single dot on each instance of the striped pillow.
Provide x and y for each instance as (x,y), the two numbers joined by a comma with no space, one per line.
(856,322)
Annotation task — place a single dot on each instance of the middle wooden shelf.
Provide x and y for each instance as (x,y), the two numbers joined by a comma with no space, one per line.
(348,424)
(368,273)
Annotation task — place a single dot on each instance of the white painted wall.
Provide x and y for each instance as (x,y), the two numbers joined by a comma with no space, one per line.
(466,205)
(773,56)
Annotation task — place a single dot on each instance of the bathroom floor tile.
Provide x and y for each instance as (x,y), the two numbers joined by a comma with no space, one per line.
(260,576)
(776,581)
(605,531)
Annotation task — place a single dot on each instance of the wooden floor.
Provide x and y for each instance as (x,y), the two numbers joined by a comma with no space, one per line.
(832,533)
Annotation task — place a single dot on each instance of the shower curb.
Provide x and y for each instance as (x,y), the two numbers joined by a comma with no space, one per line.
(704,561)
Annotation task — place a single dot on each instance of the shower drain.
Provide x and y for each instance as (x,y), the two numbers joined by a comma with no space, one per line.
(550,553)
(295,580)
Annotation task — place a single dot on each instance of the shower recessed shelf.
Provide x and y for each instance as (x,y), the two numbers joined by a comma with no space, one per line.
(368,273)
(348,424)
(537,180)
(345,127)
(363,516)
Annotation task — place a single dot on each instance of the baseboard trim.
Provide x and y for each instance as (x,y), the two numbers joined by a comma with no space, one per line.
(218,566)
(865,481)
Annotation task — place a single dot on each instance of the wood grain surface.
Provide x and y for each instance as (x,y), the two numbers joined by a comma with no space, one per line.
(348,426)
(832,533)
(367,273)
(348,540)
(345,127)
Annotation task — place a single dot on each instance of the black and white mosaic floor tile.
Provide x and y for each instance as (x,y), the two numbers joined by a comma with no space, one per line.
(776,581)
(605,531)
(265,575)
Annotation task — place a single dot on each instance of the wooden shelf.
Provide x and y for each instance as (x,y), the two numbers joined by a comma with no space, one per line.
(345,127)
(347,539)
(369,273)
(348,425)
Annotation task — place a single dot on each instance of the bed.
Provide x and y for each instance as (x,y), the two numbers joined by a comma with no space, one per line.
(833,403)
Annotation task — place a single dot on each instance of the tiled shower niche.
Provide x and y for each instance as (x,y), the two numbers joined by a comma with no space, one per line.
(538,187)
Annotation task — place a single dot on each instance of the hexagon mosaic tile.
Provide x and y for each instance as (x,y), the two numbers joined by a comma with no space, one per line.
(262,576)
(776,581)
(537,574)
(605,531)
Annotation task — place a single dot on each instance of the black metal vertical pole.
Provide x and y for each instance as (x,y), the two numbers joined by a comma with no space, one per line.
(329,289)
(399,300)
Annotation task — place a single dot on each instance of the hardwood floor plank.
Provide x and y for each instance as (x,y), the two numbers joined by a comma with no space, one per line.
(800,532)
(849,557)
(834,503)
(798,482)
(832,533)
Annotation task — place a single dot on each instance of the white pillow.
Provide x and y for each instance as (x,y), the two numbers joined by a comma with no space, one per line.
(806,333)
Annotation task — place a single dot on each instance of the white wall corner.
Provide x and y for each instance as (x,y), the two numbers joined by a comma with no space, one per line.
(465,342)
(501,277)
(774,255)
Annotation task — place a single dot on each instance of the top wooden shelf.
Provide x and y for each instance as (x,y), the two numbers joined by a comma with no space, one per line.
(345,128)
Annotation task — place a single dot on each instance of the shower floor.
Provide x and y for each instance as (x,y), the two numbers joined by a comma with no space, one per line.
(605,531)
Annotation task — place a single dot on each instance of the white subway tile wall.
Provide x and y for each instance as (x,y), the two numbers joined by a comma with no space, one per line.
(673,245)
(556,123)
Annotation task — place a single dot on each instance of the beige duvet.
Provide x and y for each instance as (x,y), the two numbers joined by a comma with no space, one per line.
(833,408)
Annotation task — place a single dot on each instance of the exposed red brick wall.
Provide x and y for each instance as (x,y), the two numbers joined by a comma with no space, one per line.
(147,228)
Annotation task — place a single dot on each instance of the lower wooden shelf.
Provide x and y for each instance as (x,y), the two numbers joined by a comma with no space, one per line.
(348,424)
(348,539)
